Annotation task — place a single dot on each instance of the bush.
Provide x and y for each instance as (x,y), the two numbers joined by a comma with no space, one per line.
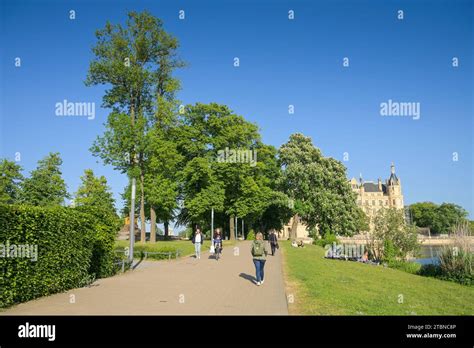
(73,248)
(328,239)
(430,270)
(313,233)
(250,235)
(406,266)
(389,252)
(456,264)
(392,238)
(456,261)
(156,253)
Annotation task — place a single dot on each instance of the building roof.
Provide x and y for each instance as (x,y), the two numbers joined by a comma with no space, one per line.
(373,187)
(393,179)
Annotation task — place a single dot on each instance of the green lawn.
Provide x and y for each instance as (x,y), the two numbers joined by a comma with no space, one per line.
(333,287)
(186,247)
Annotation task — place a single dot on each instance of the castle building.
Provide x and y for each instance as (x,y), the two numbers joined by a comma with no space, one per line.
(302,231)
(373,196)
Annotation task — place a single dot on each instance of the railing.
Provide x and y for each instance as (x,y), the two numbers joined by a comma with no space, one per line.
(166,253)
(143,255)
(122,263)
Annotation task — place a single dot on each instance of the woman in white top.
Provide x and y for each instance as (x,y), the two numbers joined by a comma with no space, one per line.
(198,239)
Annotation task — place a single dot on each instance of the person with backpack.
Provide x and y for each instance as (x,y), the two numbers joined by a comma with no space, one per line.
(259,252)
(198,240)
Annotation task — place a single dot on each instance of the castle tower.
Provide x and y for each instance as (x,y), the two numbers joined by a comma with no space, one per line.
(394,189)
(361,185)
(354,184)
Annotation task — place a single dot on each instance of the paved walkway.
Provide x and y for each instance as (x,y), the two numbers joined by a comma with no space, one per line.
(184,286)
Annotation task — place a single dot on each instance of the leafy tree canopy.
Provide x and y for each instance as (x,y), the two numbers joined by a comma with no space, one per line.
(439,218)
(319,187)
(10,180)
(45,186)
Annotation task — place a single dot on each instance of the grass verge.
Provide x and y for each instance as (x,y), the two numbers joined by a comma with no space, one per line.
(331,287)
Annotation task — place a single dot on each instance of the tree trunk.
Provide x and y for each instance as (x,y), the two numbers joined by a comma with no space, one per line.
(294,227)
(231,227)
(142,210)
(167,229)
(152,225)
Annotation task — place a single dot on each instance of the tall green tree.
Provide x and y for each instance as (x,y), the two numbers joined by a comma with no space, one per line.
(45,186)
(232,185)
(135,61)
(423,214)
(201,191)
(439,218)
(95,197)
(261,204)
(161,179)
(95,193)
(448,215)
(319,188)
(10,181)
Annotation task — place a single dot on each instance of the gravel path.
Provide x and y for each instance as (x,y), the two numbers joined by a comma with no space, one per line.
(184,287)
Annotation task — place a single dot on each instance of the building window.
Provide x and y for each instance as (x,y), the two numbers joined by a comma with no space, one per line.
(394,202)
(380,203)
(373,202)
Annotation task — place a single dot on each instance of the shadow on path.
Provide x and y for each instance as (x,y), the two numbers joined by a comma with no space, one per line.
(250,278)
(137,264)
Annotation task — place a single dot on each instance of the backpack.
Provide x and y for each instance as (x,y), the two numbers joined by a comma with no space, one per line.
(258,248)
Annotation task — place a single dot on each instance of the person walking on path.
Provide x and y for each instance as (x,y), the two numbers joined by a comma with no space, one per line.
(273,241)
(197,240)
(259,252)
(217,241)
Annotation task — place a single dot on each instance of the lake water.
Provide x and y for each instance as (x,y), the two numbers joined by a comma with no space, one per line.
(428,254)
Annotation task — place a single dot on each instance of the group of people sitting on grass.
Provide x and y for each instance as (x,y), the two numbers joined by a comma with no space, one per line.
(297,244)
(337,256)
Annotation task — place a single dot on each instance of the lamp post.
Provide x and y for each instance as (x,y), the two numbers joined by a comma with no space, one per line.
(132,222)
(212,224)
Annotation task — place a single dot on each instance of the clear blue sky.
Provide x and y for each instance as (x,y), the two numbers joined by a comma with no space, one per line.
(282,62)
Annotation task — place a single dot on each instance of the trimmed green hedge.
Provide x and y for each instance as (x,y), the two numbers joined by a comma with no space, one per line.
(107,225)
(250,235)
(73,247)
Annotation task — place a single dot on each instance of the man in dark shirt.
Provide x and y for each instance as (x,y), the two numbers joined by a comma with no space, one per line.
(273,241)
